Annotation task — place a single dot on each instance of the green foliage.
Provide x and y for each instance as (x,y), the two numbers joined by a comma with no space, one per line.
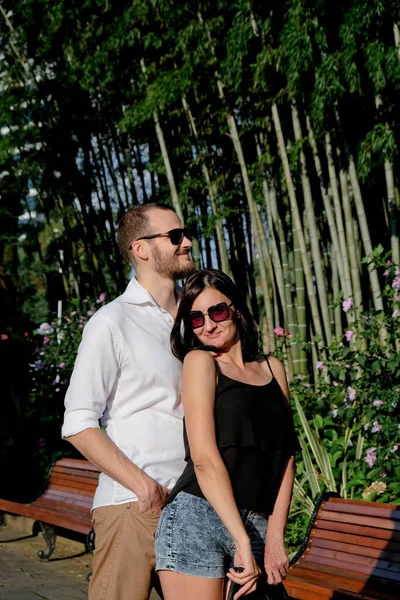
(348,419)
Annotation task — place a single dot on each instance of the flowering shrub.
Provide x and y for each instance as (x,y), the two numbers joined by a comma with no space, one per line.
(53,347)
(352,404)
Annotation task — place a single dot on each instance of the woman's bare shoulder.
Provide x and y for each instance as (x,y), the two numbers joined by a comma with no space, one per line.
(198,358)
(277,366)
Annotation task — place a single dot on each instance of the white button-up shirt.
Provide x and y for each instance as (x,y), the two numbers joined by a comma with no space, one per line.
(126,376)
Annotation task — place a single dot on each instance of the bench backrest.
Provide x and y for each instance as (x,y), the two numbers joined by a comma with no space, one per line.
(73,482)
(362,537)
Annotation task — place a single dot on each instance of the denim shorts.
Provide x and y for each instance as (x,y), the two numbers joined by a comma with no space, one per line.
(192,539)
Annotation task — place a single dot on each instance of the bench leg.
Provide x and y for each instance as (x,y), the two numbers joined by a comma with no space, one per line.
(50,539)
(89,544)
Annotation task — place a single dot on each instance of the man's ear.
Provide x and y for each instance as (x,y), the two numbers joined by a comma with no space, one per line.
(140,250)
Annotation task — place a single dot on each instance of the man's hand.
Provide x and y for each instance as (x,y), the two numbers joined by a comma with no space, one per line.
(152,500)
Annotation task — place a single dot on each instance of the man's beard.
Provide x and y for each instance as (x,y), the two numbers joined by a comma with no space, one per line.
(170,267)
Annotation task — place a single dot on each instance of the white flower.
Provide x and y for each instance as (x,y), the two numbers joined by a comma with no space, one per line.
(45,329)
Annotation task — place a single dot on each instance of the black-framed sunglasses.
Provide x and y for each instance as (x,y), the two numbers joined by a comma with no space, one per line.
(175,235)
(217,313)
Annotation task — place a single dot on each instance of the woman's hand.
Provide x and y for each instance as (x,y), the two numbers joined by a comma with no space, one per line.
(251,571)
(276,561)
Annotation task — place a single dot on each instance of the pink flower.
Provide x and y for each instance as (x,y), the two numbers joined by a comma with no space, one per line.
(396,297)
(396,283)
(26,334)
(370,457)
(395,314)
(319,365)
(279,331)
(352,393)
(377,402)
(349,334)
(389,262)
(46,340)
(335,384)
(42,442)
(306,385)
(386,272)
(376,428)
(289,335)
(4,337)
(89,312)
(347,304)
(61,365)
(394,448)
(102,297)
(347,366)
(300,377)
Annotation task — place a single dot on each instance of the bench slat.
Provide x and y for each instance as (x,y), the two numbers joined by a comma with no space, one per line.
(76,463)
(72,484)
(356,549)
(384,534)
(367,570)
(81,524)
(359,540)
(371,511)
(353,560)
(93,475)
(70,492)
(375,522)
(337,500)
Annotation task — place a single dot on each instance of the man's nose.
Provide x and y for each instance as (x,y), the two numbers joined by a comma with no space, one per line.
(186,243)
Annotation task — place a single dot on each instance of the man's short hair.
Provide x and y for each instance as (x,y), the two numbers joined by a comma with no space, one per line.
(135,224)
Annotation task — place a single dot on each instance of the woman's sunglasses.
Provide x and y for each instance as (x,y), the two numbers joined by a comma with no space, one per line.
(217,313)
(175,235)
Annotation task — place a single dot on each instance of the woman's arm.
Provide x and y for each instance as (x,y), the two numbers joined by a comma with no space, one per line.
(198,396)
(276,561)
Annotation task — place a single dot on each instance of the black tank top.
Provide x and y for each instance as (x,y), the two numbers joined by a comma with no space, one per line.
(255,436)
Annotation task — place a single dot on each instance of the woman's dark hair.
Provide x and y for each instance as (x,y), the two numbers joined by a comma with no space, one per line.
(183,340)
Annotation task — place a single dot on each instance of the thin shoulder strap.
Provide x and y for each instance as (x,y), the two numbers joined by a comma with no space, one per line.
(268,363)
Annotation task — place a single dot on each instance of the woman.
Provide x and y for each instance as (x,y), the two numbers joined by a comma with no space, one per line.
(240,466)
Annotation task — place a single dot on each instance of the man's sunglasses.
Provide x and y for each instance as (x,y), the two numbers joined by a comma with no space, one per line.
(175,235)
(217,313)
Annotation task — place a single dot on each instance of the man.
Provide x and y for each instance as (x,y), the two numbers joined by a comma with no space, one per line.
(126,376)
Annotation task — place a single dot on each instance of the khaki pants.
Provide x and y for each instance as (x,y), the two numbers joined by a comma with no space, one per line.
(124,558)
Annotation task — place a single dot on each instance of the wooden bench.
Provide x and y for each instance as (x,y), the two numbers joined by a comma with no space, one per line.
(65,502)
(352,551)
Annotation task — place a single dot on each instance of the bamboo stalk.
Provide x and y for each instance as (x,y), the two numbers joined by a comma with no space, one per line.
(329,211)
(312,227)
(212,192)
(297,226)
(351,246)
(365,236)
(338,217)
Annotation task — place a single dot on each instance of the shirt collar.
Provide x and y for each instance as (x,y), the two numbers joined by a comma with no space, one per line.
(135,293)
